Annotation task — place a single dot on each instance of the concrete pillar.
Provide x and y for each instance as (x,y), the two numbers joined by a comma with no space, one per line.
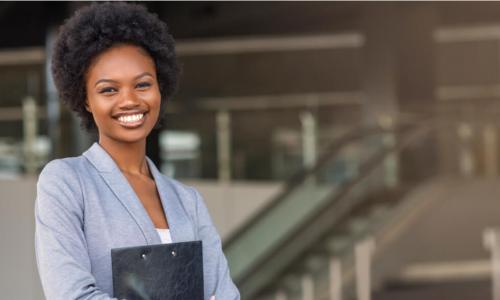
(379,63)
(280,295)
(224,145)
(466,157)
(416,83)
(309,138)
(307,283)
(379,82)
(335,279)
(363,254)
(30,129)
(398,75)
(391,162)
(415,44)
(490,142)
(491,240)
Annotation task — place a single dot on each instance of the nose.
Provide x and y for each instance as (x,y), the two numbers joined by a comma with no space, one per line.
(128,99)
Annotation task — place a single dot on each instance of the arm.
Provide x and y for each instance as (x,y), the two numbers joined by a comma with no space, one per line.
(60,245)
(223,288)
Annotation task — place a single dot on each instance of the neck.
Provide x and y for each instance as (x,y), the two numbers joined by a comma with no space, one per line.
(130,157)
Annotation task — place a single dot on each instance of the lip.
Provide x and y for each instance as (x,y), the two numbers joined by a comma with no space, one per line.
(134,124)
(129,113)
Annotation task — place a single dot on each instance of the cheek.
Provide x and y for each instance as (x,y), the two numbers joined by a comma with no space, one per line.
(155,100)
(156,110)
(100,109)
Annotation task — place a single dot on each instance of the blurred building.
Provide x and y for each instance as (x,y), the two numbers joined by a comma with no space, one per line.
(332,141)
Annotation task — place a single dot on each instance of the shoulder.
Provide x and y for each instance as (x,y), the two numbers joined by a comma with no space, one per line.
(59,194)
(62,170)
(58,165)
(60,180)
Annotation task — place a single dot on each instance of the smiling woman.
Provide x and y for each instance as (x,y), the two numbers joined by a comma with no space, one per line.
(123,94)
(114,64)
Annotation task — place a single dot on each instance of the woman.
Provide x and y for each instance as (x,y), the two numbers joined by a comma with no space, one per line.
(114,64)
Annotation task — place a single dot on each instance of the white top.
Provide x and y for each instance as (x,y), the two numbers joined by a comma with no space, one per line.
(164,235)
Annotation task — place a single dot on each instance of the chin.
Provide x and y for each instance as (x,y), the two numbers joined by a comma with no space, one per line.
(129,140)
(131,136)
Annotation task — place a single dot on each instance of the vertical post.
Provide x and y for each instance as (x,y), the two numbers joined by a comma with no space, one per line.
(280,295)
(53,105)
(335,279)
(391,176)
(30,123)
(363,252)
(307,287)
(466,155)
(491,241)
(308,138)
(490,151)
(224,145)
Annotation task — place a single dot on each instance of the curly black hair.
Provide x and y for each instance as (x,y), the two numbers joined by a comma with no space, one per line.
(96,28)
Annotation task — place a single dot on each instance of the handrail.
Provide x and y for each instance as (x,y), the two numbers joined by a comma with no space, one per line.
(298,177)
(323,215)
(333,149)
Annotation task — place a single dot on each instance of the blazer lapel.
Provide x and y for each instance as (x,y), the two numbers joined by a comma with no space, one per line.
(120,186)
(180,227)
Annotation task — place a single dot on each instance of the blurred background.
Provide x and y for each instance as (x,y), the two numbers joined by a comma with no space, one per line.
(346,150)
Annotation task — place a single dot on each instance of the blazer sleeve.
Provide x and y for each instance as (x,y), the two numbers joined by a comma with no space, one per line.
(60,245)
(224,288)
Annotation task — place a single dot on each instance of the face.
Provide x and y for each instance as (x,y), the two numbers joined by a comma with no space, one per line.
(123,94)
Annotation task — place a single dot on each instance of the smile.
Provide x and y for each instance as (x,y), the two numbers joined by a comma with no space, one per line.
(131,118)
(131,121)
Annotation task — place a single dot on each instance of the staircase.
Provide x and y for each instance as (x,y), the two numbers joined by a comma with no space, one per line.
(296,246)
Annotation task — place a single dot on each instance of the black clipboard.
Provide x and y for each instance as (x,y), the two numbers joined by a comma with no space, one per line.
(158,272)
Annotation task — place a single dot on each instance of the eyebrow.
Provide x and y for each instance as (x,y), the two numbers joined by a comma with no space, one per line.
(135,78)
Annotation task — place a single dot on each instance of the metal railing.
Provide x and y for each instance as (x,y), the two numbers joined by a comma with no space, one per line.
(313,201)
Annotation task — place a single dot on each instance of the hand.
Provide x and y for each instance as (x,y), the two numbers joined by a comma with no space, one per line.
(212,298)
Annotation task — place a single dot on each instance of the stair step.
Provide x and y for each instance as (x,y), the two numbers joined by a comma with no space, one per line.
(457,290)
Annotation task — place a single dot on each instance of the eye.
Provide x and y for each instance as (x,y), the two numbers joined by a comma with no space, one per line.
(143,85)
(107,90)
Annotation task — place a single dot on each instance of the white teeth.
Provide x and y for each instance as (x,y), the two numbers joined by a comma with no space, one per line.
(130,118)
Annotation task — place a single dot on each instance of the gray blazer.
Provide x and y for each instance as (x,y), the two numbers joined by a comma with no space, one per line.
(85,206)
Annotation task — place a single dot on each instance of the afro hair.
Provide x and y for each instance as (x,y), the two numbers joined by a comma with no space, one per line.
(96,28)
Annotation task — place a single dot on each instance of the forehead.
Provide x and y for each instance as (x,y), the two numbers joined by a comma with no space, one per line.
(120,62)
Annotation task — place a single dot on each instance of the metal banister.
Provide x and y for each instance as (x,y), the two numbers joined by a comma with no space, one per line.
(316,207)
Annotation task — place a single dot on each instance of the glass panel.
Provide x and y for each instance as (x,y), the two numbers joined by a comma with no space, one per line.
(16,83)
(180,154)
(302,202)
